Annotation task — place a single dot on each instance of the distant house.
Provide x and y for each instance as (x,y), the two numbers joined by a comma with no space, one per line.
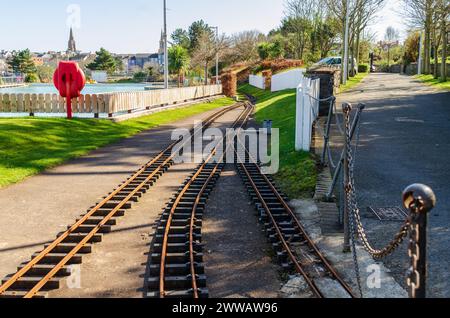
(38,61)
(133,62)
(82,57)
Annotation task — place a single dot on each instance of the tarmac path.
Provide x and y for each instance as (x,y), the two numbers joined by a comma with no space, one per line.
(404,139)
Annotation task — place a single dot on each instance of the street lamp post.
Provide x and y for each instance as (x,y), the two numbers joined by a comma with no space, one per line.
(346,39)
(420,63)
(217,54)
(166,58)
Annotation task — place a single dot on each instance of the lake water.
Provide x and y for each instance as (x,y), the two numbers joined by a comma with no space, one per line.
(89,89)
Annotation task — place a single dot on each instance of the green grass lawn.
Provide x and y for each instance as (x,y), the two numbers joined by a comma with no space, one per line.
(430,80)
(353,82)
(298,172)
(30,145)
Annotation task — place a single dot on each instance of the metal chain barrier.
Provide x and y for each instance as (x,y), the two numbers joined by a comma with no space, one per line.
(413,275)
(350,190)
(418,199)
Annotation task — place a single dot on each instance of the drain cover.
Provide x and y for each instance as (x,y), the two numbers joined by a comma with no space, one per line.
(389,214)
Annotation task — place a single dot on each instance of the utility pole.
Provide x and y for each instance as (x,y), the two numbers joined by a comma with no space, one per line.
(166,57)
(217,54)
(419,67)
(346,39)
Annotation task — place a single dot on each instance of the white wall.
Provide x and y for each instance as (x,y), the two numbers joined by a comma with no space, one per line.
(287,80)
(99,76)
(257,81)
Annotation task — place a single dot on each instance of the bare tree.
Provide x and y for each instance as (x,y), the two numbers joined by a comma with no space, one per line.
(298,21)
(444,9)
(391,39)
(361,13)
(244,46)
(419,15)
(207,48)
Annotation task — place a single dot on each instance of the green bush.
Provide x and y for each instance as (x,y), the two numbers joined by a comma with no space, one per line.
(32,78)
(140,77)
(363,68)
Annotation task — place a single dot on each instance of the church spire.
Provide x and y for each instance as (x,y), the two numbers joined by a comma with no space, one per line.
(72,47)
(161,43)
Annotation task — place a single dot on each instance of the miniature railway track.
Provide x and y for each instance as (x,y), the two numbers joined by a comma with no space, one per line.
(176,262)
(295,249)
(48,268)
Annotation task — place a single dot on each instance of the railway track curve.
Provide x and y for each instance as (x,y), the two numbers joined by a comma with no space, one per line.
(49,267)
(176,262)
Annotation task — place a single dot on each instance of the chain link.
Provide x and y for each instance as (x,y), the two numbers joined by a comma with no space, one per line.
(413,275)
(352,202)
(350,215)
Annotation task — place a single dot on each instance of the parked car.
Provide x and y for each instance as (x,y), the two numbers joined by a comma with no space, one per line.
(336,61)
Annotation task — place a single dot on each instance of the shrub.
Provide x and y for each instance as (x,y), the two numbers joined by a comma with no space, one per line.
(281,65)
(32,78)
(383,67)
(229,84)
(267,74)
(140,76)
(363,68)
(277,65)
(243,75)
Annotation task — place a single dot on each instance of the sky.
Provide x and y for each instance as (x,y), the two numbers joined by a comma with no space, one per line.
(134,26)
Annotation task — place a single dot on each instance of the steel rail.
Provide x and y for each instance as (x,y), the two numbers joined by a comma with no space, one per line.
(180,196)
(245,114)
(297,265)
(23,271)
(300,227)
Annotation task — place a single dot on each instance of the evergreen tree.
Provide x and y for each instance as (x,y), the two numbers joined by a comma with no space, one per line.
(103,62)
(196,31)
(181,37)
(22,62)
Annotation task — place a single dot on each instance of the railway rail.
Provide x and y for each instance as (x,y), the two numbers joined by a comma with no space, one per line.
(48,268)
(294,248)
(176,261)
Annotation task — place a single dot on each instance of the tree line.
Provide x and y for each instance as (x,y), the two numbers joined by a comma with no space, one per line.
(310,30)
(429,20)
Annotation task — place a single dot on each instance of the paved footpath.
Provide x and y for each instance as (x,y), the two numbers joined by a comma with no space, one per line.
(405,139)
(34,211)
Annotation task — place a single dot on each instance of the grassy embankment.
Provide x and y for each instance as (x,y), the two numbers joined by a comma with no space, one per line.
(30,145)
(353,82)
(437,83)
(298,174)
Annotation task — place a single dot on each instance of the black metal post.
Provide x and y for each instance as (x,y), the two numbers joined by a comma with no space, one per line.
(347,109)
(356,120)
(420,200)
(328,131)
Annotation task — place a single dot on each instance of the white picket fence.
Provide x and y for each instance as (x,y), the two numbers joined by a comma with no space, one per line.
(110,103)
(308,95)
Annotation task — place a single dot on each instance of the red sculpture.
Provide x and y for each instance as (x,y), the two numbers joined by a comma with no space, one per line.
(69,80)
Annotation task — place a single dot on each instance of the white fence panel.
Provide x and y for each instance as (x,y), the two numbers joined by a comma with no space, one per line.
(109,103)
(308,95)
(287,80)
(257,81)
